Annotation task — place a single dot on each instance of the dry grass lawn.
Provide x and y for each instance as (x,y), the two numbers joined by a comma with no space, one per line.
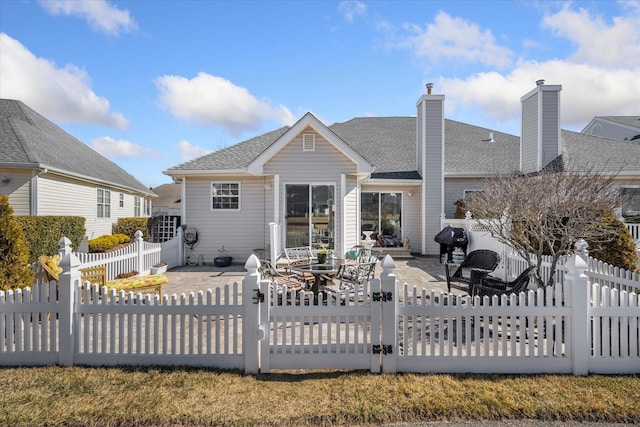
(191,397)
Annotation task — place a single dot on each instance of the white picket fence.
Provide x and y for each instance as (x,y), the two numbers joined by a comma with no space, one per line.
(579,326)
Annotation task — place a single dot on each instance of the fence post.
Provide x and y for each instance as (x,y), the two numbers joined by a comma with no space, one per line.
(252,332)
(67,283)
(274,242)
(139,251)
(389,310)
(580,331)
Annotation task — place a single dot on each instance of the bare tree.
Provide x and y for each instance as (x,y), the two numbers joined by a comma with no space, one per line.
(545,213)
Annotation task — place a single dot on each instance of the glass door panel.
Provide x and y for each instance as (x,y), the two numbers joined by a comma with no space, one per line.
(297,216)
(310,215)
(369,215)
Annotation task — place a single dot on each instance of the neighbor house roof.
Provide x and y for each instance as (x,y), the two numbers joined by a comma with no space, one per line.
(582,151)
(29,140)
(632,121)
(169,196)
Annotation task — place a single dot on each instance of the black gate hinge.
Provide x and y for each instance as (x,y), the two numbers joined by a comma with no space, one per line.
(259,296)
(384,349)
(383,296)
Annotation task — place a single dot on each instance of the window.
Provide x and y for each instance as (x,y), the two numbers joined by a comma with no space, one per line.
(630,201)
(225,195)
(121,200)
(136,206)
(468,193)
(103,208)
(310,215)
(308,142)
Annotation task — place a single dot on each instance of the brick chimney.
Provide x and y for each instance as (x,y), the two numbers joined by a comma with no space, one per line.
(430,149)
(540,140)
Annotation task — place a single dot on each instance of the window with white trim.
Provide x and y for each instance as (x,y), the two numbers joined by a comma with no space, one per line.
(121,200)
(308,142)
(225,196)
(103,206)
(136,205)
(630,200)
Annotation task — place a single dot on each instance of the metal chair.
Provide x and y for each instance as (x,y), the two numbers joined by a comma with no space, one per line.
(493,286)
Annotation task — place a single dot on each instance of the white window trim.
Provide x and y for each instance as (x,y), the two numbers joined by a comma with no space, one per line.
(239,196)
(104,203)
(121,202)
(136,206)
(308,142)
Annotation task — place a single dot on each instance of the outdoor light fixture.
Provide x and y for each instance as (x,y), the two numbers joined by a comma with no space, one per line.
(267,187)
(6,180)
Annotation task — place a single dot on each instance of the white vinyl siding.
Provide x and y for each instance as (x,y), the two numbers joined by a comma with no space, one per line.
(240,231)
(530,134)
(454,190)
(433,173)
(550,127)
(325,165)
(18,190)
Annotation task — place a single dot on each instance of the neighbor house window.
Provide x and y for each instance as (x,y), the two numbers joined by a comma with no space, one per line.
(103,206)
(136,206)
(225,195)
(630,201)
(121,200)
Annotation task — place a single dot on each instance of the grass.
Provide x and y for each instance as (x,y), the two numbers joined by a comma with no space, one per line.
(78,396)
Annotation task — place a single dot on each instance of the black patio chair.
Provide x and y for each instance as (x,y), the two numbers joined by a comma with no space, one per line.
(493,286)
(479,262)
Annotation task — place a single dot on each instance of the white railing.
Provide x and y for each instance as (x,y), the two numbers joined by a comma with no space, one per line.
(578,326)
(634,229)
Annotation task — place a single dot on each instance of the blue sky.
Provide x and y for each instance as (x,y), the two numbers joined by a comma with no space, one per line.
(151,84)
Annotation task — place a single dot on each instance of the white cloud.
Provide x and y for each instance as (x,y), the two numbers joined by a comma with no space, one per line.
(112,148)
(211,100)
(449,38)
(599,78)
(61,94)
(99,14)
(189,151)
(351,8)
(587,91)
(598,44)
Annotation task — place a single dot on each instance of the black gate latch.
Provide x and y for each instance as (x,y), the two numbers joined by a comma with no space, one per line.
(259,296)
(384,349)
(383,296)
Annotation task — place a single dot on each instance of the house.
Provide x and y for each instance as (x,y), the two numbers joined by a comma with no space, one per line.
(46,171)
(622,128)
(395,178)
(166,211)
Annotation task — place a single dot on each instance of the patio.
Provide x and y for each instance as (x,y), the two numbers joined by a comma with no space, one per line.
(422,271)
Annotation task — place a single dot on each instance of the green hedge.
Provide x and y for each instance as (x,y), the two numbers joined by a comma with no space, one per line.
(129,226)
(43,233)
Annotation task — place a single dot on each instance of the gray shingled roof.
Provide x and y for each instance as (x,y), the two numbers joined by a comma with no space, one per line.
(389,143)
(27,139)
(580,151)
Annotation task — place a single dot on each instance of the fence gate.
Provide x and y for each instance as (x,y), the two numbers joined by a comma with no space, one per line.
(303,331)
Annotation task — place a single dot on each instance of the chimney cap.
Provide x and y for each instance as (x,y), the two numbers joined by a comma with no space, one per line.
(429,88)
(539,82)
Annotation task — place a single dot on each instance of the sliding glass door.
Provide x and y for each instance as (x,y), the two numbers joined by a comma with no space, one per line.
(381,214)
(310,215)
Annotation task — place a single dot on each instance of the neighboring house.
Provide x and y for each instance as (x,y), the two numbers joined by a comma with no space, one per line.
(46,171)
(395,177)
(166,212)
(622,128)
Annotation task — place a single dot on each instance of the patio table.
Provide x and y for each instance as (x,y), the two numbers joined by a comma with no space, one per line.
(319,271)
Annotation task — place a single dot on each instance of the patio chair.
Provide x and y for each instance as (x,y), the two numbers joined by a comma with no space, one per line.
(350,278)
(493,286)
(283,283)
(476,265)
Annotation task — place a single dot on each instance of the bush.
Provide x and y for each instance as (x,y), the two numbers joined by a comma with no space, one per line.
(15,269)
(129,226)
(107,242)
(620,250)
(42,233)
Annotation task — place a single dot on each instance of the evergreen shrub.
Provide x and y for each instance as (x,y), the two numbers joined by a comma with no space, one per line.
(15,269)
(129,226)
(43,233)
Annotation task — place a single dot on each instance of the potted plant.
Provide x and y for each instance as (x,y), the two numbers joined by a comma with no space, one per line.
(158,268)
(224,259)
(322,255)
